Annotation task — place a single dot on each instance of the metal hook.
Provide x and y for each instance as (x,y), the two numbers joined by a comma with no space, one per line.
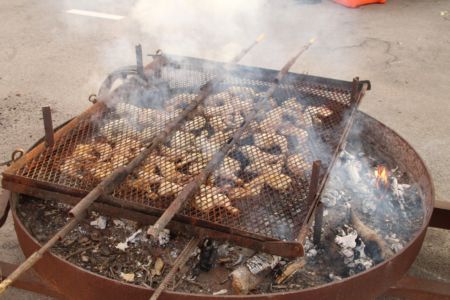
(19,151)
(92,98)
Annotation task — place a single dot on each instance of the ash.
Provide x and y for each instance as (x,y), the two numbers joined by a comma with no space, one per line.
(119,249)
(391,212)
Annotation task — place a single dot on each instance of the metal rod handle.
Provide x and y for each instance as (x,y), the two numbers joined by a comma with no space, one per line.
(48,126)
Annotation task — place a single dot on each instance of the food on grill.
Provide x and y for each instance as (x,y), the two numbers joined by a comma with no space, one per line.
(99,159)
(242,92)
(104,151)
(115,130)
(183,140)
(228,170)
(260,168)
(324,112)
(206,146)
(84,153)
(195,124)
(211,111)
(162,116)
(145,180)
(147,177)
(297,165)
(254,154)
(243,107)
(102,169)
(73,167)
(173,154)
(273,119)
(294,105)
(271,140)
(218,124)
(233,120)
(167,168)
(221,137)
(276,181)
(168,188)
(128,145)
(323,115)
(224,113)
(294,134)
(253,188)
(83,160)
(197,166)
(281,116)
(149,133)
(188,158)
(119,159)
(126,110)
(179,101)
(210,198)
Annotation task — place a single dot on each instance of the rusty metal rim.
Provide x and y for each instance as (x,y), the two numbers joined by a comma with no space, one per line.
(415,242)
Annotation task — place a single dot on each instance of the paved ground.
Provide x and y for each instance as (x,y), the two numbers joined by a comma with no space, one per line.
(49,57)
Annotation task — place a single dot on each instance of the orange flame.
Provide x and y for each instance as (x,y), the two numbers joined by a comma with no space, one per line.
(381,175)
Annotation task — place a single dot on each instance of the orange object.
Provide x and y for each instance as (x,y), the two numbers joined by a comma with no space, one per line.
(357,3)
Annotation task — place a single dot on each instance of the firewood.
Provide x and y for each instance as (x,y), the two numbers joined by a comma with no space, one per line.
(290,269)
(249,275)
(367,234)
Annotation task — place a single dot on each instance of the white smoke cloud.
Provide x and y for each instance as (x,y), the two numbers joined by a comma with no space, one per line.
(202,28)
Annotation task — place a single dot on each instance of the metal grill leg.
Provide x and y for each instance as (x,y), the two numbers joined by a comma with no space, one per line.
(318,220)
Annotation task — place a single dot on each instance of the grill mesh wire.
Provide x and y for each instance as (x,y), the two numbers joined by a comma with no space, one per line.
(262,185)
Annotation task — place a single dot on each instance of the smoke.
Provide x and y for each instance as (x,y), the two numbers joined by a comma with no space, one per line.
(202,28)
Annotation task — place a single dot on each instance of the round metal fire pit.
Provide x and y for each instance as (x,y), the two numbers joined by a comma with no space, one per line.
(77,283)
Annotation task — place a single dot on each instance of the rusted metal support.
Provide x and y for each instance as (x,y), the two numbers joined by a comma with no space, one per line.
(48,125)
(355,88)
(358,91)
(139,62)
(413,288)
(441,215)
(313,186)
(318,221)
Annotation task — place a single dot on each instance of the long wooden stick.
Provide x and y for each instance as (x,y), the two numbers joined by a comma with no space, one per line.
(31,260)
(119,174)
(194,185)
(179,262)
(368,234)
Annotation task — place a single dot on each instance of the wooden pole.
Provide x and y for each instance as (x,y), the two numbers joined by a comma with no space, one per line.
(32,259)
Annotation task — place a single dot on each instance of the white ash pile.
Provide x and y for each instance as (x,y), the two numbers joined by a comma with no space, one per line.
(352,248)
(371,212)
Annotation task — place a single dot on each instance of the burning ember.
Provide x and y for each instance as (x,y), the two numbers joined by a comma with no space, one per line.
(382,175)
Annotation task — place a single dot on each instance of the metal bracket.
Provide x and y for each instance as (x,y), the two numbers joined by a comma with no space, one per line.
(48,126)
(140,62)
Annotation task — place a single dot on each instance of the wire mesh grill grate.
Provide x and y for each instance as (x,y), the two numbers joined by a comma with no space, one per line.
(261,186)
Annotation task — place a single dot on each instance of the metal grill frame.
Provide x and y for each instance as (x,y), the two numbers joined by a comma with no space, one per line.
(18,183)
